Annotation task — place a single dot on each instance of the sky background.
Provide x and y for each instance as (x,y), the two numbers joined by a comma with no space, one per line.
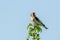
(15,15)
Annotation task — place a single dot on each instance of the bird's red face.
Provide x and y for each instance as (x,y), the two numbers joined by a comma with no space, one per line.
(33,13)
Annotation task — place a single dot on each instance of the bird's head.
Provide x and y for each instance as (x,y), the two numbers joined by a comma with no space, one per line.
(33,13)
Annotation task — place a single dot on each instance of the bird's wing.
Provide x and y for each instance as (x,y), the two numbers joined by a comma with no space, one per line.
(41,23)
(39,20)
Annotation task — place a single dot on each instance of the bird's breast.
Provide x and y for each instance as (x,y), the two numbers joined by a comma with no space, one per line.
(32,18)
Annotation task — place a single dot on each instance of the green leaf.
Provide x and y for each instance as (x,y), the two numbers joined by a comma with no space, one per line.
(29,25)
(28,37)
(31,31)
(39,29)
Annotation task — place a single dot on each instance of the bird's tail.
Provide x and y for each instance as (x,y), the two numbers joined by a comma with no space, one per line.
(45,26)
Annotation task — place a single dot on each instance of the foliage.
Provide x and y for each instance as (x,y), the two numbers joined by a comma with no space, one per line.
(33,32)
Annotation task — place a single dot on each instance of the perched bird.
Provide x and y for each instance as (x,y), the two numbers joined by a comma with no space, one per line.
(35,20)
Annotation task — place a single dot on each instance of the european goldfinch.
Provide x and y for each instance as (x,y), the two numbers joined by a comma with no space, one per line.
(35,20)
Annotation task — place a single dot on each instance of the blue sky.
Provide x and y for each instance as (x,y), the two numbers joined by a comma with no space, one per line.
(15,15)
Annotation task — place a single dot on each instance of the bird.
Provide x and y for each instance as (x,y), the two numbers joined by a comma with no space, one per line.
(36,21)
